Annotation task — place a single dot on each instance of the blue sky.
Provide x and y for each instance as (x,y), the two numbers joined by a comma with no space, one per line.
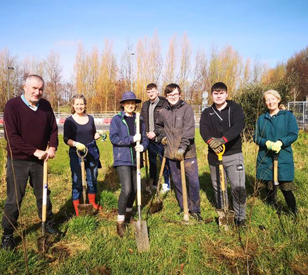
(271,31)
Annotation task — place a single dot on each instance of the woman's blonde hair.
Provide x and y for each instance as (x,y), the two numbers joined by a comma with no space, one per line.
(271,92)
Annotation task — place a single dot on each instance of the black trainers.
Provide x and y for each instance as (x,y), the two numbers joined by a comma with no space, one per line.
(8,242)
(196,216)
(240,223)
(51,229)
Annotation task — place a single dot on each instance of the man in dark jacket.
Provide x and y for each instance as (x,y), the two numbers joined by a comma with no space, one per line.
(177,130)
(30,126)
(150,112)
(222,123)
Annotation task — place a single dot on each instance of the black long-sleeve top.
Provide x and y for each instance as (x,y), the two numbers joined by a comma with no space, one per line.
(27,130)
(227,124)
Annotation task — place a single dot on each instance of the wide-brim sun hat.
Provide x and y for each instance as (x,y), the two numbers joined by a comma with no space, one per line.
(129,96)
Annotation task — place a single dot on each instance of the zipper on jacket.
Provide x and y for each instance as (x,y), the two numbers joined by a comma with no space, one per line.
(131,150)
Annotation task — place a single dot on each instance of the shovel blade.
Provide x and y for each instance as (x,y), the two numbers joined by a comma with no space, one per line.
(141,235)
(156,206)
(225,218)
(85,209)
(43,243)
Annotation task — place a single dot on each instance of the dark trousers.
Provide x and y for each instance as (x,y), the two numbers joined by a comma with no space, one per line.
(23,170)
(288,195)
(128,180)
(155,149)
(191,172)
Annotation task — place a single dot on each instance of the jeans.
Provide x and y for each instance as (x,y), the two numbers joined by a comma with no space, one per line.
(155,149)
(235,171)
(23,170)
(191,172)
(128,180)
(91,167)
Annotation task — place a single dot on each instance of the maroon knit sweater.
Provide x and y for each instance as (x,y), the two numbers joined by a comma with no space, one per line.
(27,130)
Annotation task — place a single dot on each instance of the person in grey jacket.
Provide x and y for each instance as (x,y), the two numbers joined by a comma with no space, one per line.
(222,123)
(150,113)
(177,133)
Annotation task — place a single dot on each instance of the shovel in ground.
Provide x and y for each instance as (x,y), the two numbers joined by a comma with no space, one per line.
(141,229)
(42,242)
(225,216)
(157,205)
(84,209)
(184,192)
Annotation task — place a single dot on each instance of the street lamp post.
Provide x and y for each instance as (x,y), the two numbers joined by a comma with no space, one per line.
(131,71)
(8,81)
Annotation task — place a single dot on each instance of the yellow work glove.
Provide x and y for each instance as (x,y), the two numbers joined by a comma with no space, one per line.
(80,146)
(269,144)
(276,147)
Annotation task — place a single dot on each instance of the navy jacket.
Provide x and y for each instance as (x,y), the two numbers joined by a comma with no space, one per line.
(123,142)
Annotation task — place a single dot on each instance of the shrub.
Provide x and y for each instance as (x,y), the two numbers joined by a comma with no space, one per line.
(251,98)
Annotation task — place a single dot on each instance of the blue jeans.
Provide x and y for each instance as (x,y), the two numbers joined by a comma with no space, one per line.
(155,149)
(191,172)
(91,167)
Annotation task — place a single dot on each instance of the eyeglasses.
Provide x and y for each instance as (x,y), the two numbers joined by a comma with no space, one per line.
(173,95)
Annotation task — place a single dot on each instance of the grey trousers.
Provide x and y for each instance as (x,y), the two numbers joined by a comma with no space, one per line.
(235,172)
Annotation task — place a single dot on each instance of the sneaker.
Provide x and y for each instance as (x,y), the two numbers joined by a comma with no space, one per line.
(8,243)
(196,216)
(240,223)
(121,228)
(165,188)
(180,213)
(129,217)
(51,229)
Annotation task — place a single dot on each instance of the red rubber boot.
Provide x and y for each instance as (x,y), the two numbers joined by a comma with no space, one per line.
(75,203)
(91,198)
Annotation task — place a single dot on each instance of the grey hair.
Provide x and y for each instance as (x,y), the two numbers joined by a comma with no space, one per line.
(34,76)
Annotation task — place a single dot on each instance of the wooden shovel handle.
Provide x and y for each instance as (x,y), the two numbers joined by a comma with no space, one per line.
(184,191)
(276,182)
(138,162)
(45,188)
(160,175)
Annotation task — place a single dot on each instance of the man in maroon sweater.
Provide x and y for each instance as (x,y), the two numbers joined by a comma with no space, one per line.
(30,126)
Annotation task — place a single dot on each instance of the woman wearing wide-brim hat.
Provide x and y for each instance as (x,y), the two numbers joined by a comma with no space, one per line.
(123,138)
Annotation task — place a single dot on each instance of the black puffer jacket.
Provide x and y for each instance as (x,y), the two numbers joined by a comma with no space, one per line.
(227,124)
(162,103)
(178,125)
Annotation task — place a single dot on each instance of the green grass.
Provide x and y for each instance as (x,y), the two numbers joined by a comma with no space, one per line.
(268,245)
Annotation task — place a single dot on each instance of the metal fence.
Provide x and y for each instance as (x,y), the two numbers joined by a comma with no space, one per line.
(300,111)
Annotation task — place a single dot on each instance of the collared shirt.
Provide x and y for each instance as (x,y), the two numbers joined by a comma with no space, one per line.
(34,108)
(151,114)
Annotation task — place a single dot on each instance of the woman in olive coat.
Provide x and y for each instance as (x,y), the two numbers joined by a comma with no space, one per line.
(275,131)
